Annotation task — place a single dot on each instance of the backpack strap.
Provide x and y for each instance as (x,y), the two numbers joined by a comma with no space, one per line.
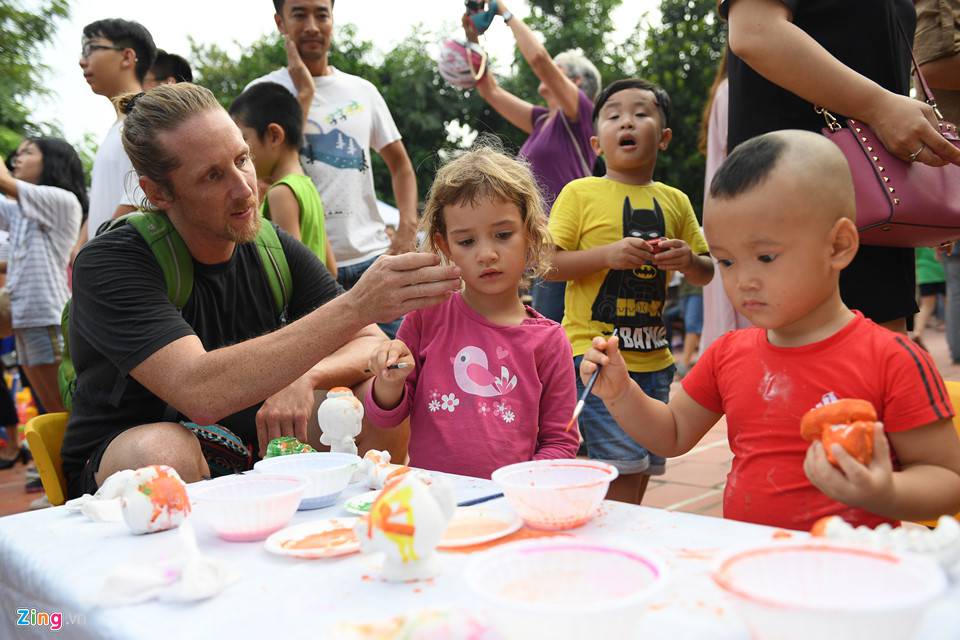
(170,251)
(275,268)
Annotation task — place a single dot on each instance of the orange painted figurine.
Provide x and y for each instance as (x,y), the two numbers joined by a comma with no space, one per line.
(846,422)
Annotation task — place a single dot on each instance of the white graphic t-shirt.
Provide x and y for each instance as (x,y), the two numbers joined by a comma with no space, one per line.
(348,118)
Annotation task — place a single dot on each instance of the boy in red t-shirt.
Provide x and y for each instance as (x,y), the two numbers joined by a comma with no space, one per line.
(780,223)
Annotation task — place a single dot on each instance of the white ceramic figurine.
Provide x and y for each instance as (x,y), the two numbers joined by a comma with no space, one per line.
(340,417)
(155,499)
(406,522)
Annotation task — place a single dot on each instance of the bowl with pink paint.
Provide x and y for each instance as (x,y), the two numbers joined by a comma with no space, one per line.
(806,589)
(555,494)
(564,587)
(244,508)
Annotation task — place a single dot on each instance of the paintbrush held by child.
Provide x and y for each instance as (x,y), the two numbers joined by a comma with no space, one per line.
(488,381)
(780,221)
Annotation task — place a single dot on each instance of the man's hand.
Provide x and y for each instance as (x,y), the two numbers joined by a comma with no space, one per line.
(614,378)
(673,255)
(628,253)
(853,483)
(395,285)
(285,413)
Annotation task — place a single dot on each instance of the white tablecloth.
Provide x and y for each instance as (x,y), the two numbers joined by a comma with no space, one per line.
(56,561)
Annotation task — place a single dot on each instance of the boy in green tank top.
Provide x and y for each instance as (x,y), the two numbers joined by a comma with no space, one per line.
(271,121)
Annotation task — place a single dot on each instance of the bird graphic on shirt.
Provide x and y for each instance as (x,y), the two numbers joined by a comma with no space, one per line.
(472,373)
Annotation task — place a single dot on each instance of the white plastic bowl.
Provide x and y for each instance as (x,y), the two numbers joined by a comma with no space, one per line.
(561,588)
(328,474)
(248,507)
(555,494)
(803,590)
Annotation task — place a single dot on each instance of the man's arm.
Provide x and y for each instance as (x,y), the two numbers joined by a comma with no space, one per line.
(206,386)
(404,182)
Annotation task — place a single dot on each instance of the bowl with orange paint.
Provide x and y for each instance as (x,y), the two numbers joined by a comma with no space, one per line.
(797,590)
(244,508)
(565,587)
(555,494)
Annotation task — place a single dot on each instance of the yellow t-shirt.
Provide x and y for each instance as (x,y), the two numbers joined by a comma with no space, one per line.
(591,212)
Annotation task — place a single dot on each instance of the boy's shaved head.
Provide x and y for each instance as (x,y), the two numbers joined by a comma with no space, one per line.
(815,166)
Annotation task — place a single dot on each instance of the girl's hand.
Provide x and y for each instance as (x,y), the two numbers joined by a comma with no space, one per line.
(614,378)
(388,353)
(905,126)
(673,255)
(853,483)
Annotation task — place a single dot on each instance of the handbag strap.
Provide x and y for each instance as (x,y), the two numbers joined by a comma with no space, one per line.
(924,87)
(576,145)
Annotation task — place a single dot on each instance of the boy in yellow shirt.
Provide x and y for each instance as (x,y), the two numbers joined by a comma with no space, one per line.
(617,237)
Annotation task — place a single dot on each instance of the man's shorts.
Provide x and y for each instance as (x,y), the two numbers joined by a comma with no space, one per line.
(938,30)
(39,345)
(933,289)
(604,438)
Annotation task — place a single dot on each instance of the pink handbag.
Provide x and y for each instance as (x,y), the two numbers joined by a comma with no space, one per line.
(899,203)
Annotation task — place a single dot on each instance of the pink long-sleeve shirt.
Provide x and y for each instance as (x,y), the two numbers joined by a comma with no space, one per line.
(483,395)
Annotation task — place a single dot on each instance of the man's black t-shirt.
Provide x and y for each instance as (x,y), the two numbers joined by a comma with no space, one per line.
(120,315)
(864,35)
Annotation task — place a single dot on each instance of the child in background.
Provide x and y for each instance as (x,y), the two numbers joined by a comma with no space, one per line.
(271,121)
(780,246)
(617,239)
(488,381)
(932,282)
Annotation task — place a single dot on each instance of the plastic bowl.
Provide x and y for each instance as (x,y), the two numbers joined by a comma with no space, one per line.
(328,474)
(794,591)
(565,588)
(248,507)
(555,494)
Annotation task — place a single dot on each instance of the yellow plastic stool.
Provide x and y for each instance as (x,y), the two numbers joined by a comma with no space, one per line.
(953,390)
(44,436)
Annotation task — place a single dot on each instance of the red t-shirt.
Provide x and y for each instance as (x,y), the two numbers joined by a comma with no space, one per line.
(764,390)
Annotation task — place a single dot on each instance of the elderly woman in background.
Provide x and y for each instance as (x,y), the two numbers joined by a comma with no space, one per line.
(558,147)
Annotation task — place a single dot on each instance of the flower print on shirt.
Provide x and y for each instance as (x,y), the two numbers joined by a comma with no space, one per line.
(450,402)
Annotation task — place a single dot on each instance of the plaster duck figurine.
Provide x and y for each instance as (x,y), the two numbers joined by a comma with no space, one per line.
(340,417)
(375,469)
(154,499)
(406,522)
(104,505)
(941,544)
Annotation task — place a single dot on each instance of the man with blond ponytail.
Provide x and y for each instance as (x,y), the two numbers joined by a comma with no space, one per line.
(224,358)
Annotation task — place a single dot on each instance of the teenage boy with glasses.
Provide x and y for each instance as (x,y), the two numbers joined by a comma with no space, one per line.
(115,56)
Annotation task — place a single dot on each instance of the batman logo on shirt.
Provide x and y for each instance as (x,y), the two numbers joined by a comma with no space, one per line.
(633,298)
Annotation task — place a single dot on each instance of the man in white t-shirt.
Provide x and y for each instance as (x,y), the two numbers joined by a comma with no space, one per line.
(346,117)
(116,56)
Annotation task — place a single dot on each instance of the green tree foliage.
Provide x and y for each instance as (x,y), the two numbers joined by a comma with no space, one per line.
(682,55)
(22,34)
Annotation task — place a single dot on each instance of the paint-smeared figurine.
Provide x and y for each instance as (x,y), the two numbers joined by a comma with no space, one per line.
(340,417)
(155,499)
(406,522)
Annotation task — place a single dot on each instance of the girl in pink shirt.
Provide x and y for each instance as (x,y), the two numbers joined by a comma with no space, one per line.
(486,381)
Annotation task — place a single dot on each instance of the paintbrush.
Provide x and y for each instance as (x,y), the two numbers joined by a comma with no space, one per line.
(583,398)
(395,365)
(470,503)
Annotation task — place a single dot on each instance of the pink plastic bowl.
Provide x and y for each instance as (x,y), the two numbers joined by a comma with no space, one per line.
(803,590)
(555,494)
(248,507)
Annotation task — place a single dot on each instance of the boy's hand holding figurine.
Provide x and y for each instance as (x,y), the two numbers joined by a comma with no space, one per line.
(388,385)
(851,482)
(673,254)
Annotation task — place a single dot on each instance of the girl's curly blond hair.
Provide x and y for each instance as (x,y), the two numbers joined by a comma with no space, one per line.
(485,171)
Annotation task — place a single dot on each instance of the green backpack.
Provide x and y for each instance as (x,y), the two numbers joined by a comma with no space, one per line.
(177,265)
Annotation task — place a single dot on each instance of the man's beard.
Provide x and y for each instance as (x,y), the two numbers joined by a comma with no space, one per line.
(247,233)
